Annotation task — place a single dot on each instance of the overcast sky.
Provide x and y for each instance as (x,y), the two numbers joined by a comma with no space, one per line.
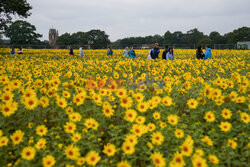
(126,18)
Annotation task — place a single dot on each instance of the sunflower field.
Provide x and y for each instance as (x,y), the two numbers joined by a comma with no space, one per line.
(59,110)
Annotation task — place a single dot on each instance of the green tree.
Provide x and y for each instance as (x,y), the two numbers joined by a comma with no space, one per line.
(193,36)
(216,38)
(97,39)
(79,38)
(64,39)
(22,32)
(168,38)
(205,41)
(10,8)
(241,34)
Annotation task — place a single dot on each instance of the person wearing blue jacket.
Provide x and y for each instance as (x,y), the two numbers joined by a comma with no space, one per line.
(131,53)
(208,53)
(13,52)
(155,51)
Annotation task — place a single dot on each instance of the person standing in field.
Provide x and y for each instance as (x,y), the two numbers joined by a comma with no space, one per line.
(170,54)
(199,53)
(125,52)
(131,53)
(71,52)
(20,51)
(155,51)
(81,51)
(13,52)
(110,51)
(208,53)
(165,52)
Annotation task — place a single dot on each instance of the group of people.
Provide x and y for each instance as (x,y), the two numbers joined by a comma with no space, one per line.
(168,53)
(13,52)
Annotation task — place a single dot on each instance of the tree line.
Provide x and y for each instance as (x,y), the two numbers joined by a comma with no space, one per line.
(193,36)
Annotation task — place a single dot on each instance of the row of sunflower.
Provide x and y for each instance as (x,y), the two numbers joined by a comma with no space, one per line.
(58,110)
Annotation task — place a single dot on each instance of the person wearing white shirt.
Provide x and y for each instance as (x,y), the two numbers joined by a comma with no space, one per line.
(81,51)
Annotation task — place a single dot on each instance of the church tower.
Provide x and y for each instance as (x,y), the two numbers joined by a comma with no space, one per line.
(53,35)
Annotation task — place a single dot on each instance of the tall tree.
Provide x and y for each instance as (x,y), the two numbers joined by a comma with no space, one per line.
(10,8)
(97,39)
(168,38)
(22,32)
(240,34)
(79,38)
(64,39)
(193,36)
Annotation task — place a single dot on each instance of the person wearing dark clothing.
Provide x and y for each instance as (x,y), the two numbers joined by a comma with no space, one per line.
(155,51)
(110,52)
(199,53)
(71,52)
(165,52)
(20,51)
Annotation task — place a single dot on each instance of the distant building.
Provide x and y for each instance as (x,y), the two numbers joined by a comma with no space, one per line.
(53,35)
(243,45)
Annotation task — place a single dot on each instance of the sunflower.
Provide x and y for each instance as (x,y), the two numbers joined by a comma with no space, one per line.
(178,160)
(172,119)
(138,130)
(213,159)
(151,127)
(198,161)
(92,158)
(44,101)
(179,133)
(209,116)
(7,97)
(17,137)
(70,127)
(80,161)
(157,115)
(130,115)
(108,111)
(157,138)
(128,148)
(226,113)
(199,152)
(207,140)
(231,143)
(28,153)
(245,117)
(7,109)
(109,149)
(76,137)
(121,93)
(72,152)
(167,101)
(49,161)
(126,102)
(4,141)
(142,107)
(61,102)
(225,126)
(41,144)
(75,117)
(66,94)
(140,120)
(192,103)
(31,102)
(158,159)
(41,130)
(131,138)
(123,164)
